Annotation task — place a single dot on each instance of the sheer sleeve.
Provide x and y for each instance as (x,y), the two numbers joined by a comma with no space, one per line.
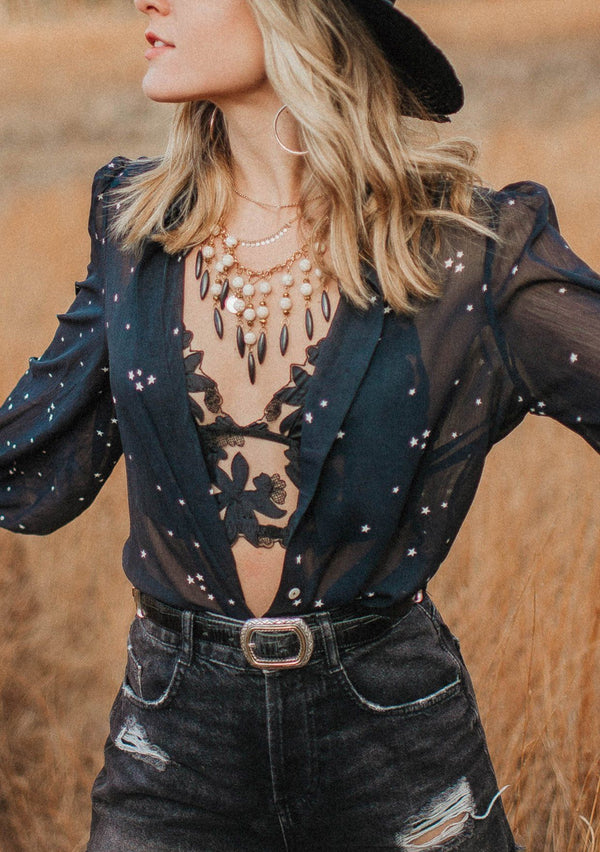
(59,436)
(546,310)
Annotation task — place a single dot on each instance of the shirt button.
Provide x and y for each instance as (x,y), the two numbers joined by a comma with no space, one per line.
(294,593)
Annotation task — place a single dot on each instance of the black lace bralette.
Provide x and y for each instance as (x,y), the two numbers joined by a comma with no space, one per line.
(259,509)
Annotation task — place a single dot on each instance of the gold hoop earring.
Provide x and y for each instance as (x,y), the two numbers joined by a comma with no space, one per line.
(285,148)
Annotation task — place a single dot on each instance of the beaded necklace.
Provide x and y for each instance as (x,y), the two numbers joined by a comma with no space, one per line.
(235,289)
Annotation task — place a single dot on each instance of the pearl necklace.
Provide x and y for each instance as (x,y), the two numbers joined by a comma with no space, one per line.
(234,287)
(265,240)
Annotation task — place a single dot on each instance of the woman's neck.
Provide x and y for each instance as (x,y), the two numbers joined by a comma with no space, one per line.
(262,169)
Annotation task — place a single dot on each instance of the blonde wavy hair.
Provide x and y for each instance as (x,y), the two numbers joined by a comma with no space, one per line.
(388,192)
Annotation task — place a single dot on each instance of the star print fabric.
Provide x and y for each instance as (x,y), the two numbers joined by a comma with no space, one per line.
(389,434)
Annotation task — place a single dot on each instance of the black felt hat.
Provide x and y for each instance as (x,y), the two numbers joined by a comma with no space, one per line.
(418,63)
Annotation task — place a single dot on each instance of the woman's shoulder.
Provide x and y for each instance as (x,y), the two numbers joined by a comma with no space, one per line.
(120,169)
(519,206)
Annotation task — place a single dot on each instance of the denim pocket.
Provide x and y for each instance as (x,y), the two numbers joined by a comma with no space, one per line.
(154,664)
(410,669)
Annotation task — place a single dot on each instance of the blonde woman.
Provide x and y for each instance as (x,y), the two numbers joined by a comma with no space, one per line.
(304,328)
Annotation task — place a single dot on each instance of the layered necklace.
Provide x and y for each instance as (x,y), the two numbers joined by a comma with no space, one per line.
(248,293)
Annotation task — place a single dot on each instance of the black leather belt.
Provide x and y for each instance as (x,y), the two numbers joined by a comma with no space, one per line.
(282,642)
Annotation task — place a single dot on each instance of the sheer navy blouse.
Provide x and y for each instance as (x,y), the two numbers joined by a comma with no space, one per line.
(396,422)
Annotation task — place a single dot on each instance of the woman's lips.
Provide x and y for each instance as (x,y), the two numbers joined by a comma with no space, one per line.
(157,46)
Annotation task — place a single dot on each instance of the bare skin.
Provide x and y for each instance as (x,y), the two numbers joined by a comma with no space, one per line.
(178,71)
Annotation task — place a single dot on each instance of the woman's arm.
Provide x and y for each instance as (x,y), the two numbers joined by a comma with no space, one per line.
(59,436)
(545,305)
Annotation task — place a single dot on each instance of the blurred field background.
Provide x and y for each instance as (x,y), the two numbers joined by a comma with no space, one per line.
(521,585)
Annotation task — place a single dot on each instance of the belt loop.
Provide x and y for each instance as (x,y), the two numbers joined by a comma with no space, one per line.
(329,641)
(187,636)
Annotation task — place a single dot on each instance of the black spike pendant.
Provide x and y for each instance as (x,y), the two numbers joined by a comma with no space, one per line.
(239,339)
(251,367)
(204,284)
(325,305)
(199,261)
(218,321)
(309,324)
(261,347)
(284,339)
(224,293)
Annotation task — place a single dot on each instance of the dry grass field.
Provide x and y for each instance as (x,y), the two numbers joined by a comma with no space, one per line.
(521,585)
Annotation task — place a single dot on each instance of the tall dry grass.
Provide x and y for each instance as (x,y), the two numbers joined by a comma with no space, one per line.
(521,585)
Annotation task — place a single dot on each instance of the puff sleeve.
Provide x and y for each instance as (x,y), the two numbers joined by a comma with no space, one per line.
(546,312)
(59,437)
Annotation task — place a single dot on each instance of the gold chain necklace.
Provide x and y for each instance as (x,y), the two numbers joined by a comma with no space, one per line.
(234,288)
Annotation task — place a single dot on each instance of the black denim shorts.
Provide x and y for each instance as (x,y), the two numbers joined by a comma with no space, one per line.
(373,745)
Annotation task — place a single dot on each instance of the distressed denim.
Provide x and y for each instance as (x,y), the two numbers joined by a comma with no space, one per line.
(374,746)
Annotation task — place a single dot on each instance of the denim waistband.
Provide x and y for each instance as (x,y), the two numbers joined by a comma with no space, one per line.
(280,642)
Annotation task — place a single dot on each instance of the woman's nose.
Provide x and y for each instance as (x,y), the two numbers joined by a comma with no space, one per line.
(161,7)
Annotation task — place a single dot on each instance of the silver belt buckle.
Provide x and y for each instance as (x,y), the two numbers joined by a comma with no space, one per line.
(277,625)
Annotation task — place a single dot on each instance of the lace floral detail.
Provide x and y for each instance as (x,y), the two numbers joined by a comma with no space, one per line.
(246,510)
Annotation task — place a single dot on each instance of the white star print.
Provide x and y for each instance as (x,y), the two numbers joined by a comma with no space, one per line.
(319,604)
(200,577)
(151,380)
(469,308)
(449,263)
(231,602)
(197,544)
(175,331)
(139,386)
(181,501)
(131,375)
(308,417)
(297,602)
(573,357)
(396,489)
(324,403)
(455,435)
(299,559)
(412,391)
(190,580)
(411,551)
(425,510)
(562,290)
(444,505)
(460,254)
(459,267)
(426,433)
(414,442)
(387,310)
(511,203)
(143,554)
(365,528)
(478,401)
(340,435)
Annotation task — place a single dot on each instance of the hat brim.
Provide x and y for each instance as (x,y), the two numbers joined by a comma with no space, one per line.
(418,63)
